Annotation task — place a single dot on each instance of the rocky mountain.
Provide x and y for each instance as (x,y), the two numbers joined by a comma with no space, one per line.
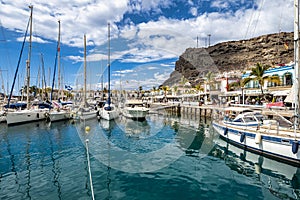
(238,56)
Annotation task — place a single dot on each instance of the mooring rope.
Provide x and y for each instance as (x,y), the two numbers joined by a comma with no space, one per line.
(89,167)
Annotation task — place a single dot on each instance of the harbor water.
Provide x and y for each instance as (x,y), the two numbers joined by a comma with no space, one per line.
(164,157)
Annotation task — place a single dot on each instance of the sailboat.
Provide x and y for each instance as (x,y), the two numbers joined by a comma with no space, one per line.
(58,113)
(248,130)
(85,111)
(109,111)
(32,112)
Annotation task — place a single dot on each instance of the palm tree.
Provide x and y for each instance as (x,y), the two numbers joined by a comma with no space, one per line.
(209,79)
(235,85)
(165,89)
(140,91)
(199,88)
(258,74)
(175,89)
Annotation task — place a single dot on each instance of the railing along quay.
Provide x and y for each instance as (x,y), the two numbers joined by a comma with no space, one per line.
(207,110)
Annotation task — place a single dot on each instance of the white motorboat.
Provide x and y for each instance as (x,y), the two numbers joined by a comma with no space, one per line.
(135,109)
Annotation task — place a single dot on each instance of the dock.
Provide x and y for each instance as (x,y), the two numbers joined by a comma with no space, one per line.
(207,110)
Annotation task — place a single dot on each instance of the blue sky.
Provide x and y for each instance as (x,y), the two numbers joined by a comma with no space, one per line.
(147,36)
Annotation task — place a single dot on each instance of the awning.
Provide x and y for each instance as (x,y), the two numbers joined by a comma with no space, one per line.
(291,95)
(281,93)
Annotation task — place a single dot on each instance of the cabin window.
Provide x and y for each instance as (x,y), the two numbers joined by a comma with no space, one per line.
(238,120)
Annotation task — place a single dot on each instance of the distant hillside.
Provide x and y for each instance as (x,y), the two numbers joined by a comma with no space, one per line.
(233,56)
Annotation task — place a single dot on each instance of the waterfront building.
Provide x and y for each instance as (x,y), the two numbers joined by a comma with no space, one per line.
(273,90)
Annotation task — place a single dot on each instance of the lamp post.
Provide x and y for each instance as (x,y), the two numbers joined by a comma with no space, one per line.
(209,39)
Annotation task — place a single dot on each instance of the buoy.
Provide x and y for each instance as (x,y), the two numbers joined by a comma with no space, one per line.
(295,146)
(87,128)
(225,131)
(257,138)
(242,138)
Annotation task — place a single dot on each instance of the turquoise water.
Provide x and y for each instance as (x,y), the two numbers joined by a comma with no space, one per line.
(161,158)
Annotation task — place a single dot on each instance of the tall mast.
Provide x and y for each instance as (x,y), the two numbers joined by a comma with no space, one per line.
(108,65)
(84,73)
(29,57)
(296,59)
(58,60)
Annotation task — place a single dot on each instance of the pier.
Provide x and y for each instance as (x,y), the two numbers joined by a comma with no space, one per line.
(207,110)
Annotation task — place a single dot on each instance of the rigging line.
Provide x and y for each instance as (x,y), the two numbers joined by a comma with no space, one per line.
(7,50)
(54,72)
(18,65)
(259,11)
(89,167)
(44,84)
(251,17)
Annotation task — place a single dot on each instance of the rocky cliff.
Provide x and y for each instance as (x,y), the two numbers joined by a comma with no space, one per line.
(237,56)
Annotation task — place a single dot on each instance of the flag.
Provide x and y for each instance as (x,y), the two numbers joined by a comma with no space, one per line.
(68,87)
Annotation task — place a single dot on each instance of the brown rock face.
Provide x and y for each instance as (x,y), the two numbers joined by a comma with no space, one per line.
(270,49)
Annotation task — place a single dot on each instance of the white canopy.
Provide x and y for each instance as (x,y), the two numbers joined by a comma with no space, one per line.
(290,96)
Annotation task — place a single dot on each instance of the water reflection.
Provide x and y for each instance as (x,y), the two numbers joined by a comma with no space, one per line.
(134,128)
(167,158)
(276,179)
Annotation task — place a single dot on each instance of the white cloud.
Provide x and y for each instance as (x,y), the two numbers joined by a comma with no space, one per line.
(149,41)
(77,17)
(153,40)
(194,11)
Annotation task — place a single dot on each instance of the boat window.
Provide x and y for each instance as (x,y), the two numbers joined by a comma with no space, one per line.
(249,119)
(238,120)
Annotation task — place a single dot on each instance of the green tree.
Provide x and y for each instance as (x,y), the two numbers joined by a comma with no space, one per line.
(175,88)
(165,89)
(258,74)
(199,88)
(210,79)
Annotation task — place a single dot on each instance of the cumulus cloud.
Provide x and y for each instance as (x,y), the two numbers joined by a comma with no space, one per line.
(147,40)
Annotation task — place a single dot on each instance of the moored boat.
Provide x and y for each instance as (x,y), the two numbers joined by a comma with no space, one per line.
(135,109)
(267,137)
(109,110)
(24,116)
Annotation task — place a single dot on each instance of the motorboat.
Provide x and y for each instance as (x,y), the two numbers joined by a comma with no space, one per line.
(135,109)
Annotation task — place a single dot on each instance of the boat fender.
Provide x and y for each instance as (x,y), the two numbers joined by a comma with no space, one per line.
(242,138)
(38,115)
(295,146)
(257,138)
(47,115)
(225,131)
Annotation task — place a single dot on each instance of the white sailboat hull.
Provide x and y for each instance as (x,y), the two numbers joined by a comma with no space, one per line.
(59,115)
(85,115)
(25,116)
(109,114)
(2,116)
(276,146)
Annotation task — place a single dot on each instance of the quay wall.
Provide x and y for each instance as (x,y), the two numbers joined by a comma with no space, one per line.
(208,110)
